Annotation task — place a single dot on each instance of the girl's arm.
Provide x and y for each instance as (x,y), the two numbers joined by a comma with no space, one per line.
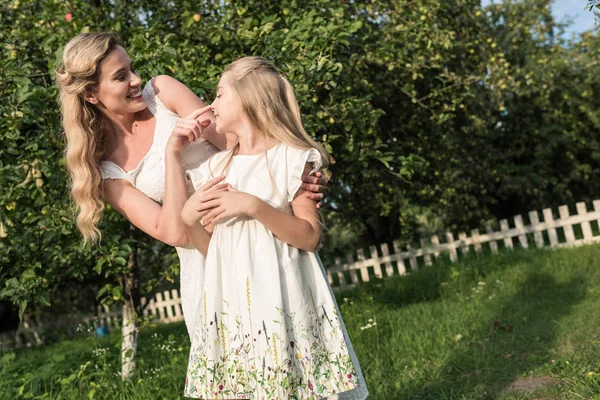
(301,230)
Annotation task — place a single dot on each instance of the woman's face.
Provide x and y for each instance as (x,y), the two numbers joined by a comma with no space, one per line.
(227,111)
(119,89)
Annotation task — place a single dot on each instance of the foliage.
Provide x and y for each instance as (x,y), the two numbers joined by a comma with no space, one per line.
(439,114)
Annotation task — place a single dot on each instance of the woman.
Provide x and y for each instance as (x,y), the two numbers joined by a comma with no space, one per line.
(129,147)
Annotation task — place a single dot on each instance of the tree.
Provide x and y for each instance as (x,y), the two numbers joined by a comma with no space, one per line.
(438,114)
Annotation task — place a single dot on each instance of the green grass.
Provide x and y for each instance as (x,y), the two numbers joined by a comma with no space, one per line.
(452,331)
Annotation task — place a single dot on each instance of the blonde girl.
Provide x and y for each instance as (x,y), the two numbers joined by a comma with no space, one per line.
(268,325)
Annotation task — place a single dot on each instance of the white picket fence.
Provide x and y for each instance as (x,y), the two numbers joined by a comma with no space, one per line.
(164,307)
(346,275)
(551,232)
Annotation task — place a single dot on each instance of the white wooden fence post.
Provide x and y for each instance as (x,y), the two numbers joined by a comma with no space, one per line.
(451,246)
(364,272)
(389,268)
(476,240)
(425,250)
(435,242)
(538,237)
(412,258)
(493,243)
(177,305)
(464,247)
(353,274)
(550,225)
(585,225)
(568,228)
(398,253)
(377,266)
(521,231)
(340,273)
(507,239)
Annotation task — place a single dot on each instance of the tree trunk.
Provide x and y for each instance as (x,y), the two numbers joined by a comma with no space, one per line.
(131,315)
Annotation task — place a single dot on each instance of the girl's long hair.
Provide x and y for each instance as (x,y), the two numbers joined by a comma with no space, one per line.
(85,127)
(268,100)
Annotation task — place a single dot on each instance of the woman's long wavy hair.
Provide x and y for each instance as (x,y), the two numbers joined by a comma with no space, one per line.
(268,100)
(85,126)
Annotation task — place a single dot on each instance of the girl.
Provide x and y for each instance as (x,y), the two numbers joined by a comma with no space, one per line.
(268,326)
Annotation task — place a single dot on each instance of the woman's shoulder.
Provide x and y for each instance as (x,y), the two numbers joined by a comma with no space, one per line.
(175,96)
(156,94)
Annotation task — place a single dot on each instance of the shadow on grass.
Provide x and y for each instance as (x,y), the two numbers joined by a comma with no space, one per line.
(501,350)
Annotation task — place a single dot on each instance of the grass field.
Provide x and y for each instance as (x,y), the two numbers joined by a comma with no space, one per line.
(518,325)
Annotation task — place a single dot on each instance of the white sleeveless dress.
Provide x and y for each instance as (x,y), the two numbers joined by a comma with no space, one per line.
(268,326)
(149,178)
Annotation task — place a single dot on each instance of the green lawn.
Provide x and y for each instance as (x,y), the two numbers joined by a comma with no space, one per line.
(477,329)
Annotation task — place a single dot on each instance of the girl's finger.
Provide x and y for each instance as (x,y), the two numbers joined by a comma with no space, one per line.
(212,215)
(207,205)
(211,183)
(217,188)
(212,196)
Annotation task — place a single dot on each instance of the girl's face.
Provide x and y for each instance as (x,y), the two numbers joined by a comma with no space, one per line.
(119,89)
(227,111)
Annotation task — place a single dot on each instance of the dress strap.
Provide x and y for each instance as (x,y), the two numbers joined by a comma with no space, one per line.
(155,105)
(110,170)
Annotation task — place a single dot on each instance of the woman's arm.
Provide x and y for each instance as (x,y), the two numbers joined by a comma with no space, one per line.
(182,101)
(161,222)
(144,213)
(193,211)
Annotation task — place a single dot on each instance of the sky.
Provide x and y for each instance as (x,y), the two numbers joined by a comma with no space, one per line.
(582,19)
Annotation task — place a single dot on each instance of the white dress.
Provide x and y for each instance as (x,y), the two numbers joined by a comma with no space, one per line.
(268,324)
(149,178)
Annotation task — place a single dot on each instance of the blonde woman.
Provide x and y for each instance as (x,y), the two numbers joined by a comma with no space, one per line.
(129,145)
(268,326)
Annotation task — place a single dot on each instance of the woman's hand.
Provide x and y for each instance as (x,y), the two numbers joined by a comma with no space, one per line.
(315,186)
(195,207)
(226,204)
(188,129)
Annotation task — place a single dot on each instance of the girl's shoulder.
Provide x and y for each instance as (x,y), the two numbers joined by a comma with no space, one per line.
(299,157)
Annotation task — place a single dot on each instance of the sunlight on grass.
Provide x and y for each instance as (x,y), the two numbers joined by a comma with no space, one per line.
(518,325)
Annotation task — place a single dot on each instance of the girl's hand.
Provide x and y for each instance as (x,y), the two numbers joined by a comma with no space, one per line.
(315,186)
(195,208)
(187,130)
(226,204)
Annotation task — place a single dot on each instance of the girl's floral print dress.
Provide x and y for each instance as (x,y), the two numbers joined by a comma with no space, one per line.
(268,326)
